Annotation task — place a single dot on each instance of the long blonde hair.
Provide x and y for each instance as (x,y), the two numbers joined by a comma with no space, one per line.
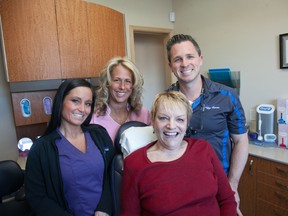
(135,99)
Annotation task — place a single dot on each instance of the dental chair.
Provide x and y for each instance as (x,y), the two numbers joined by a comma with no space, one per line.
(123,145)
(12,195)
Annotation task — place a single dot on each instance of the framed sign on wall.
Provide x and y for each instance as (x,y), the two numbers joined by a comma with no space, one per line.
(283,42)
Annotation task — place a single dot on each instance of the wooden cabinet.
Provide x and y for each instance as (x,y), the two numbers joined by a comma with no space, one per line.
(106,33)
(59,39)
(73,38)
(89,35)
(263,188)
(30,40)
(247,187)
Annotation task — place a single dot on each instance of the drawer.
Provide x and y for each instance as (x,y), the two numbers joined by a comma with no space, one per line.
(270,194)
(276,182)
(273,168)
(267,209)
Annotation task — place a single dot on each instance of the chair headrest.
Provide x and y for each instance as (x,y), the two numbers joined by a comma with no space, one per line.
(123,128)
(134,138)
(11,177)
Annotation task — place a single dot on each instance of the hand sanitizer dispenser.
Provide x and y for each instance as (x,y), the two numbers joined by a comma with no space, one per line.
(265,119)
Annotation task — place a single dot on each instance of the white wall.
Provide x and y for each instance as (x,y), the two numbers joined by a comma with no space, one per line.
(8,140)
(242,35)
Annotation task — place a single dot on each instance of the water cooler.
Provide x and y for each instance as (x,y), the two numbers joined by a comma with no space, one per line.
(265,119)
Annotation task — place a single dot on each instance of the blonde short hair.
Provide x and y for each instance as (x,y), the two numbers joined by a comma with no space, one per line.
(171,99)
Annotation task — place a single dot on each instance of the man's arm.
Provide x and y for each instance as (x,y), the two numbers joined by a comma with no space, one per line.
(238,159)
(238,162)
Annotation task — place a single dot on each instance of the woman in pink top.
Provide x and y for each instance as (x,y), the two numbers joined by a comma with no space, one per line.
(119,96)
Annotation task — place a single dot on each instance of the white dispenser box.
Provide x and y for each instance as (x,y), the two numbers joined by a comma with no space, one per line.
(282,110)
(265,119)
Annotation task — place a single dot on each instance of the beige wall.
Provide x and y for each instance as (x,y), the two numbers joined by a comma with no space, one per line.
(8,140)
(241,35)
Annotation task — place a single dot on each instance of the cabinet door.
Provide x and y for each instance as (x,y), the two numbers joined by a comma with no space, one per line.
(268,209)
(106,35)
(89,35)
(272,187)
(30,40)
(247,187)
(73,38)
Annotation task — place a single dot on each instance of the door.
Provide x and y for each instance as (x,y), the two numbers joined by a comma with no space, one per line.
(149,53)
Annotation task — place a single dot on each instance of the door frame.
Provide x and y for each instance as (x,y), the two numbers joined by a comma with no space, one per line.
(165,35)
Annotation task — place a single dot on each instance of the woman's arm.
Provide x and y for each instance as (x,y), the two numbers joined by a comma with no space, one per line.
(37,186)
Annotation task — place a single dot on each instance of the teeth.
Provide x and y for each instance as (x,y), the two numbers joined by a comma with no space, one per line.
(120,93)
(78,115)
(187,71)
(170,133)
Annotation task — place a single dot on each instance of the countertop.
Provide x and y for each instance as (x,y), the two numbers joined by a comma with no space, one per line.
(270,153)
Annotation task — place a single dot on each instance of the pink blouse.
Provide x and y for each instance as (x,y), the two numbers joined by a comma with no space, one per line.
(112,126)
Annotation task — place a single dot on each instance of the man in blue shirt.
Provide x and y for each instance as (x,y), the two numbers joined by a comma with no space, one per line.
(218,115)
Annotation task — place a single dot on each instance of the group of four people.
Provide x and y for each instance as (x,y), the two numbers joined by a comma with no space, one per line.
(193,168)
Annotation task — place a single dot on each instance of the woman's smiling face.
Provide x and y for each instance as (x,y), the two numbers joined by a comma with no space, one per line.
(170,124)
(121,85)
(76,106)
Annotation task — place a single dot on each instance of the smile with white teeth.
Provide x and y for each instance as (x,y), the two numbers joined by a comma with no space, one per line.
(120,93)
(187,70)
(171,133)
(76,115)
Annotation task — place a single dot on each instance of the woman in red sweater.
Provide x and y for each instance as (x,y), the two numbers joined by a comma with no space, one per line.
(175,175)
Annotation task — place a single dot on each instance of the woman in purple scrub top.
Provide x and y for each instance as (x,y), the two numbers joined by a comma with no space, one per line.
(67,168)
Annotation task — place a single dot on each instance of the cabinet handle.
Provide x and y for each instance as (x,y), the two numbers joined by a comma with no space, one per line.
(251,167)
(281,196)
(282,186)
(284,172)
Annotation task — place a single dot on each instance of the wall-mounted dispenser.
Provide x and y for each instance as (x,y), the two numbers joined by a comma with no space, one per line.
(25,107)
(47,105)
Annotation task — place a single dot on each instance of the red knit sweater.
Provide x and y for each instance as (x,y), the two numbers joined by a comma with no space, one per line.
(194,184)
